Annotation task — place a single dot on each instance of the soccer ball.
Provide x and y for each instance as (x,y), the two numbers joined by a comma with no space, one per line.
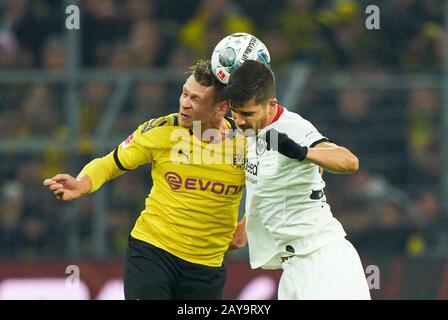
(233,50)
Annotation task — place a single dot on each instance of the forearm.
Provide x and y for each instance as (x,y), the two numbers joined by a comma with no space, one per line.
(327,155)
(84,183)
(97,172)
(336,159)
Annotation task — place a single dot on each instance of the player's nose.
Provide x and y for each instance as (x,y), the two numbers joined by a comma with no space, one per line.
(240,122)
(184,103)
(185,106)
(237,118)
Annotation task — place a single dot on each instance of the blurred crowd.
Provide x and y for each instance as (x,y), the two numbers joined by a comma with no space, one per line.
(392,206)
(130,34)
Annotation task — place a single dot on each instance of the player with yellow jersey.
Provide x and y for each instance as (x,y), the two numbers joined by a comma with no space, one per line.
(177,245)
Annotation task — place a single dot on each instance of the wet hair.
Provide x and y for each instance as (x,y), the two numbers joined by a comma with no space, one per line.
(202,72)
(252,79)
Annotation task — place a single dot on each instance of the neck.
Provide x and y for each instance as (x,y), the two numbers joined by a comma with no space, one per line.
(272,116)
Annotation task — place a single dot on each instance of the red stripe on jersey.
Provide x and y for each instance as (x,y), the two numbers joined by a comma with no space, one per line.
(279,113)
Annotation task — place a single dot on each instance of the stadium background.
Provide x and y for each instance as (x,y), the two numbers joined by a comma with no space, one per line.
(69,95)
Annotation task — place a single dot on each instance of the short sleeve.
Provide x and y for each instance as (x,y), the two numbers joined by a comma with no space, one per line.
(304,133)
(135,150)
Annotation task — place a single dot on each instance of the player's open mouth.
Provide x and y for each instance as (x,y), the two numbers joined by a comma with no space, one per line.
(185,115)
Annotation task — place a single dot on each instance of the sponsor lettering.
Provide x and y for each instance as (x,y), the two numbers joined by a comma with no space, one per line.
(252,168)
(175,182)
(249,48)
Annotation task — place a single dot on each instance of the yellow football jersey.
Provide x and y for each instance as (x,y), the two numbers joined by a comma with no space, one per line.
(192,209)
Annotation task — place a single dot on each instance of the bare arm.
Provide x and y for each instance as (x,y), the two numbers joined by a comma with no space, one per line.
(326,155)
(333,158)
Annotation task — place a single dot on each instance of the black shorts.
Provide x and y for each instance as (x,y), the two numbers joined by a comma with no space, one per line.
(154,274)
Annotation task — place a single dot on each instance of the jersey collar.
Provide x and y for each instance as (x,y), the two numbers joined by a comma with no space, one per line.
(279,113)
(280,110)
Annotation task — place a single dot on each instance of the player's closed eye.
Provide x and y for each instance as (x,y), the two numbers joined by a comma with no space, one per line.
(242,114)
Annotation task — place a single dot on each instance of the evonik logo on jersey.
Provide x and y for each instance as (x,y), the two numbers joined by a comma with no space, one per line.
(176,182)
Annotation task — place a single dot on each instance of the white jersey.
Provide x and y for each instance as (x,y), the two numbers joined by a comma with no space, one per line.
(286,208)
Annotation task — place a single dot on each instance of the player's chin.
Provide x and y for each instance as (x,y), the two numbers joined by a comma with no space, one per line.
(186,122)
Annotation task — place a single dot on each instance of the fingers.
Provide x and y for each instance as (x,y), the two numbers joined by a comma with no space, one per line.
(59,193)
(49,182)
(55,186)
(60,177)
(58,185)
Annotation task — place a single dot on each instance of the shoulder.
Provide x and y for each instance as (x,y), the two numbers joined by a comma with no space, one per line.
(291,122)
(298,128)
(153,132)
(168,121)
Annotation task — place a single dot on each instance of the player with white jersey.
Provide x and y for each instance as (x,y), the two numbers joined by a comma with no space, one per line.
(288,221)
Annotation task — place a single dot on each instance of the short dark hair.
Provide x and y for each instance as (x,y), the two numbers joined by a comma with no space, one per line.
(251,79)
(202,72)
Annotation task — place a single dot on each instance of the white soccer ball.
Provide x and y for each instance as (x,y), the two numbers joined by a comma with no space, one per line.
(233,50)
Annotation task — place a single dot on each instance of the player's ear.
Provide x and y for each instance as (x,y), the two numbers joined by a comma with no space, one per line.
(222,108)
(272,103)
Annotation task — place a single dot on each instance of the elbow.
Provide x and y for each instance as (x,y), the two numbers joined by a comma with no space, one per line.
(354,164)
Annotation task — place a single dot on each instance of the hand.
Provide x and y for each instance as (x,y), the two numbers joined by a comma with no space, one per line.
(284,145)
(64,187)
(240,236)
